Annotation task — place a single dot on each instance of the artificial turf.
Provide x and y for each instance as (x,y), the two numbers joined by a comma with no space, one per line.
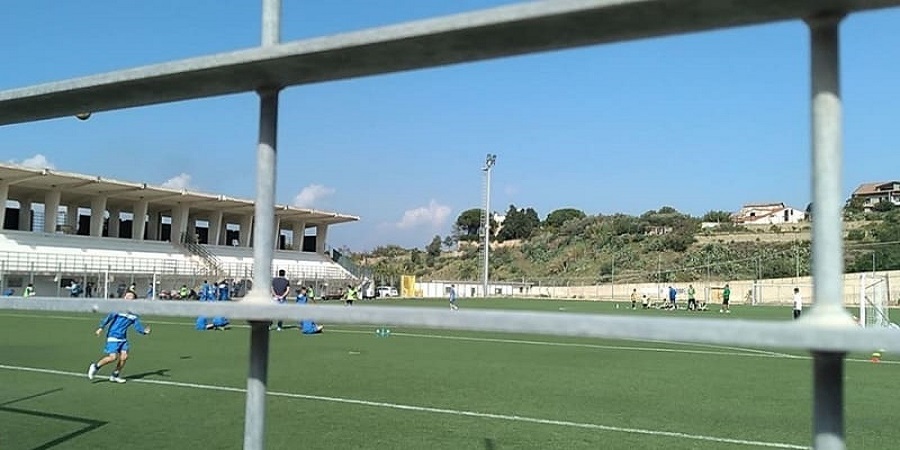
(349,388)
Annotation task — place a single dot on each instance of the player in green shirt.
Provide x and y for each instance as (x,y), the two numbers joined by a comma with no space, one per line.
(726,295)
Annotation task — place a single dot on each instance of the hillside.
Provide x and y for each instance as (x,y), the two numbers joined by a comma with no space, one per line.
(663,245)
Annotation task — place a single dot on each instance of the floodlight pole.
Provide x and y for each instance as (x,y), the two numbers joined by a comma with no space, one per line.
(485,276)
(263,240)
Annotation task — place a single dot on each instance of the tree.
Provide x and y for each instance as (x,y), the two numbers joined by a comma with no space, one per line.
(449,241)
(716,216)
(434,248)
(467,224)
(519,223)
(854,205)
(557,218)
(884,206)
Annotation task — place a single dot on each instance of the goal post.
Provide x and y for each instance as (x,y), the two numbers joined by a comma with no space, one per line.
(874,298)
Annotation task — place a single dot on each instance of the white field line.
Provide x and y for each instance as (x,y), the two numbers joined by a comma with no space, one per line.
(724,347)
(428,409)
(744,352)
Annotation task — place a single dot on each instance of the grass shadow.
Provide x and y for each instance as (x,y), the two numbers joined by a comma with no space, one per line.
(88,424)
(162,373)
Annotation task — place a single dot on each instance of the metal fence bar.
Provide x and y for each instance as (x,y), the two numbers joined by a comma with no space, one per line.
(827,229)
(800,334)
(263,239)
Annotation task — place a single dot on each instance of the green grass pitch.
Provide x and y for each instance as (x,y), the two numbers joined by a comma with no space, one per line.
(351,389)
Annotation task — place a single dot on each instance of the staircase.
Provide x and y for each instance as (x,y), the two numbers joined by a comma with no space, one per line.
(211,264)
(350,266)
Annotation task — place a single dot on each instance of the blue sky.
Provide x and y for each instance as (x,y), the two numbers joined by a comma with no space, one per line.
(698,122)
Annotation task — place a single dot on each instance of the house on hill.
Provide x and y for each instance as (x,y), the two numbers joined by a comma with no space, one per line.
(872,194)
(767,214)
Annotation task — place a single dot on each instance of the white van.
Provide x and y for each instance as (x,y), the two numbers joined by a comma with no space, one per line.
(386,291)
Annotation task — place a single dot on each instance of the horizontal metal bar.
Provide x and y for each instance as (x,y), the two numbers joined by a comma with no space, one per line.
(800,334)
(491,33)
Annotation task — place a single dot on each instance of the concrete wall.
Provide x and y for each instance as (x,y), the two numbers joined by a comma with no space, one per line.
(771,291)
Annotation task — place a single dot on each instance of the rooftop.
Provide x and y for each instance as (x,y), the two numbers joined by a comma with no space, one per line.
(80,188)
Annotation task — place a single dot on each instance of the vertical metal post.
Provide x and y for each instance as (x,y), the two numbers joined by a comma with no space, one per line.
(612,293)
(827,154)
(263,240)
(828,401)
(658,276)
(485,276)
(827,238)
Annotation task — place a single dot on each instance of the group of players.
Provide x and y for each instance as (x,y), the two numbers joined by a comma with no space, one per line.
(117,324)
(672,304)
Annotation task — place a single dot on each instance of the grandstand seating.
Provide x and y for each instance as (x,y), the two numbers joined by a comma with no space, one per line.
(297,265)
(52,253)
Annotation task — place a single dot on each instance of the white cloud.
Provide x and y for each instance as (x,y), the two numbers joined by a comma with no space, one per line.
(180,181)
(434,215)
(312,194)
(37,161)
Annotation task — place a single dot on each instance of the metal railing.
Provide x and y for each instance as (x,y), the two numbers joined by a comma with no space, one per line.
(503,31)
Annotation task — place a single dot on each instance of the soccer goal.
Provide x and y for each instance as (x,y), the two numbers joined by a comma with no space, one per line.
(874,293)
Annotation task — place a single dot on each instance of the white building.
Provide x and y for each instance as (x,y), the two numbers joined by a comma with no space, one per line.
(875,193)
(768,214)
(438,288)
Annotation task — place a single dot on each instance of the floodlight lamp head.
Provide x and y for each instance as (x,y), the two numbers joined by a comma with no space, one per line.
(490,161)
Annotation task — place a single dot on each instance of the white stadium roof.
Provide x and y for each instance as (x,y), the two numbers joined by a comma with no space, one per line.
(26,182)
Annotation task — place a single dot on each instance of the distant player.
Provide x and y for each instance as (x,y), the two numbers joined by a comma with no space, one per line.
(726,297)
(453,306)
(307,326)
(692,298)
(672,294)
(634,299)
(798,303)
(350,295)
(116,342)
(280,288)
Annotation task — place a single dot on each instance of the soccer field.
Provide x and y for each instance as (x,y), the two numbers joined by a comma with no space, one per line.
(351,389)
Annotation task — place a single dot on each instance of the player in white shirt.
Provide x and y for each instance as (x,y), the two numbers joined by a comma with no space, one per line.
(798,303)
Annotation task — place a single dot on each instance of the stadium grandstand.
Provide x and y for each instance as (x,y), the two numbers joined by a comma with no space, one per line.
(59,228)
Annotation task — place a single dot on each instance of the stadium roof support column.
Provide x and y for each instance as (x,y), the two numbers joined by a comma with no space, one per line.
(180,215)
(321,237)
(4,197)
(25,214)
(246,227)
(98,209)
(72,217)
(51,210)
(115,220)
(263,251)
(139,222)
(299,231)
(827,235)
(277,234)
(154,221)
(214,233)
(191,228)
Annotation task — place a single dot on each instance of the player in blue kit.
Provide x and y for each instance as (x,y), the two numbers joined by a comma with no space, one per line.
(116,342)
(307,326)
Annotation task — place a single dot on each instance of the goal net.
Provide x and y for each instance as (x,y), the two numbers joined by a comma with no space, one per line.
(874,299)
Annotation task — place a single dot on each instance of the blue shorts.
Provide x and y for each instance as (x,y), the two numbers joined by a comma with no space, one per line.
(115,347)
